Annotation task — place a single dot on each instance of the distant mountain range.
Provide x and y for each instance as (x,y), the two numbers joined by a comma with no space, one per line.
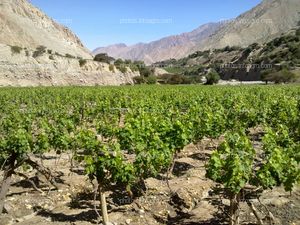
(175,46)
(264,22)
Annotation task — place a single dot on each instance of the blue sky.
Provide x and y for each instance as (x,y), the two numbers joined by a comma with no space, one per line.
(100,23)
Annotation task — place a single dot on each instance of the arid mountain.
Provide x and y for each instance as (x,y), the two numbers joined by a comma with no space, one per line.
(266,21)
(35,50)
(176,46)
(249,63)
(21,24)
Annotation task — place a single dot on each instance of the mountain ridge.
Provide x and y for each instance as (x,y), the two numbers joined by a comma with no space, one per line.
(259,24)
(168,42)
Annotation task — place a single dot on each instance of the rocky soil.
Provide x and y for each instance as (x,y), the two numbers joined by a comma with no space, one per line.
(192,200)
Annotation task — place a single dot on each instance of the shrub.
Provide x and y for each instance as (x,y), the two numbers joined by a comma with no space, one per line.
(134,67)
(51,57)
(176,79)
(246,52)
(212,77)
(288,75)
(119,62)
(265,74)
(58,54)
(179,79)
(204,54)
(70,56)
(254,46)
(192,80)
(194,70)
(146,71)
(187,80)
(112,68)
(298,32)
(175,69)
(103,57)
(39,51)
(82,62)
(269,47)
(49,51)
(128,61)
(139,80)
(278,41)
(15,49)
(122,68)
(27,53)
(164,78)
(296,54)
(231,48)
(151,79)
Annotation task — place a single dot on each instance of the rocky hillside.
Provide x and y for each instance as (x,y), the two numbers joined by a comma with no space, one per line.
(241,63)
(35,50)
(266,21)
(24,25)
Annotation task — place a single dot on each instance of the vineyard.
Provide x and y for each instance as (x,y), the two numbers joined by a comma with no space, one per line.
(117,139)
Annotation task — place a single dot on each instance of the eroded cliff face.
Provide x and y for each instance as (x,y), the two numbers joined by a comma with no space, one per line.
(22,69)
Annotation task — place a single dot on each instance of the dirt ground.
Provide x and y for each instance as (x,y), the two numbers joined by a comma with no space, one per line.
(193,200)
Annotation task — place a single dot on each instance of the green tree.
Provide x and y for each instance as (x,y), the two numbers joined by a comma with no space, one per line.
(145,71)
(282,76)
(212,77)
(119,62)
